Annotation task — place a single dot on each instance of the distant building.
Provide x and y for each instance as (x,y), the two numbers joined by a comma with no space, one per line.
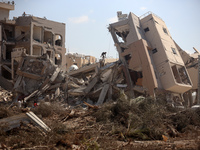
(79,59)
(110,60)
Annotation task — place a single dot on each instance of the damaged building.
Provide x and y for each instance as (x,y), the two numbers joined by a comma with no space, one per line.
(30,35)
(150,57)
(33,60)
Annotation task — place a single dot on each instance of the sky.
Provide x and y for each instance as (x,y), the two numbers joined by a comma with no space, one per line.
(87,20)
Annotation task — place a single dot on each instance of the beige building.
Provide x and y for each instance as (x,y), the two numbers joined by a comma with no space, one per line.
(79,60)
(110,60)
(146,47)
(36,36)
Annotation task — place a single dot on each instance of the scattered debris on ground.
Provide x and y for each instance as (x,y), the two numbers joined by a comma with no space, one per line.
(140,123)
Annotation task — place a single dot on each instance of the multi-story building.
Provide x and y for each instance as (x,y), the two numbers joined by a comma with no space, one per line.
(29,34)
(149,53)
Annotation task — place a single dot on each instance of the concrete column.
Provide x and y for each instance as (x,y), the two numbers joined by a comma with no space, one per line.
(31,38)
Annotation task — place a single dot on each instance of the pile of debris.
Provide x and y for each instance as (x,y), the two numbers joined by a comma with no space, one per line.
(97,86)
(36,75)
(38,78)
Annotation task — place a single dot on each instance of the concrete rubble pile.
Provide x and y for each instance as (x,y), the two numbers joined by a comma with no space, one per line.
(100,86)
(36,75)
(38,78)
(34,70)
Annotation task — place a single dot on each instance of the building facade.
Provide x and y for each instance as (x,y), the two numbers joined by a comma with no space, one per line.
(31,35)
(147,49)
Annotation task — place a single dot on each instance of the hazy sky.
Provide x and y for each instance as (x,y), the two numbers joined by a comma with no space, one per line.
(87,20)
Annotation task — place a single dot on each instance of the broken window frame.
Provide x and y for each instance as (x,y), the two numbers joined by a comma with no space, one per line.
(180,74)
(122,36)
(46,38)
(24,35)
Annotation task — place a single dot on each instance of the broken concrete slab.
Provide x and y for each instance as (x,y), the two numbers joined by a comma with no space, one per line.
(9,123)
(103,94)
(91,85)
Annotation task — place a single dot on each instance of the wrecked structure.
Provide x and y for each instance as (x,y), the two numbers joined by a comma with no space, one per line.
(192,64)
(30,35)
(33,61)
(151,60)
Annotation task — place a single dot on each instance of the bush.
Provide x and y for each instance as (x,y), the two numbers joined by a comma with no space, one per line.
(143,118)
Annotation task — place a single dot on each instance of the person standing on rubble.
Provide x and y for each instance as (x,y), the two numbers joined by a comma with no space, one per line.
(103,55)
(102,62)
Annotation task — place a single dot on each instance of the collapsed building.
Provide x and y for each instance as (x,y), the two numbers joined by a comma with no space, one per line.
(151,59)
(30,35)
(33,61)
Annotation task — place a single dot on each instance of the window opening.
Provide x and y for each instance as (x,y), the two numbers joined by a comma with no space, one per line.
(58,59)
(37,33)
(146,29)
(48,36)
(154,50)
(180,74)
(165,30)
(173,50)
(58,40)
(122,36)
